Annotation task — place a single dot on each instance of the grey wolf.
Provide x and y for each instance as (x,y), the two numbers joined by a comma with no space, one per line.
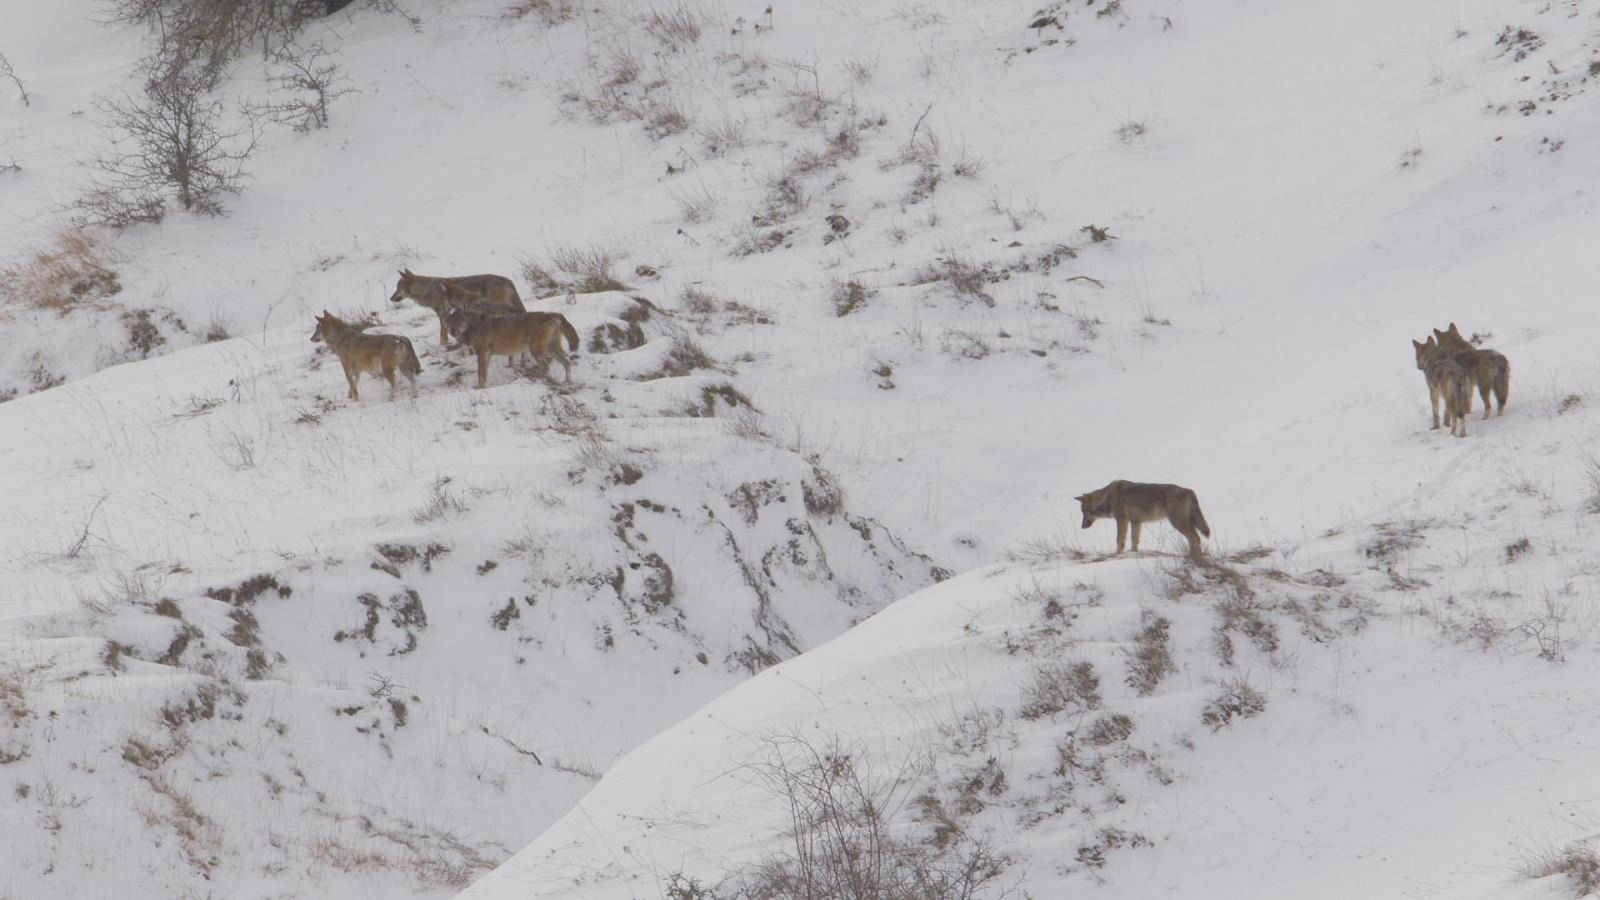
(429,291)
(1446,378)
(358,352)
(1489,369)
(1133,504)
(508,334)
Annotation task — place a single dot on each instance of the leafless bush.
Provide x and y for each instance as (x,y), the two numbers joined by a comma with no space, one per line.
(72,272)
(1237,699)
(220,328)
(1054,687)
(848,296)
(1578,862)
(305,70)
(1132,131)
(749,241)
(1591,475)
(966,165)
(10,75)
(207,34)
(573,270)
(549,12)
(675,27)
(844,843)
(442,501)
(697,206)
(728,134)
(169,143)
(683,356)
(144,337)
(1150,660)
(664,116)
(698,300)
(963,277)
(806,102)
(963,342)
(861,68)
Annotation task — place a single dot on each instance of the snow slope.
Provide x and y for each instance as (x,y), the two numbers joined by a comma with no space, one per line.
(1293,194)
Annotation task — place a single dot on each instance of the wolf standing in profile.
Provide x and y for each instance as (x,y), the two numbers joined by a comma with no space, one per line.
(1489,369)
(1132,503)
(1446,378)
(430,292)
(383,354)
(508,334)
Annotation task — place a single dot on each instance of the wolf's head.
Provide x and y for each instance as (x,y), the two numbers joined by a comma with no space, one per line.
(1451,337)
(1424,351)
(1093,505)
(317,336)
(402,288)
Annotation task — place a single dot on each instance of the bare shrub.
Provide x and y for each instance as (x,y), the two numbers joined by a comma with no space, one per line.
(208,34)
(1591,475)
(549,12)
(442,501)
(1577,862)
(573,270)
(317,81)
(675,27)
(966,165)
(1241,613)
(960,275)
(664,116)
(74,271)
(1054,687)
(170,143)
(843,839)
(1237,700)
(699,301)
(10,75)
(685,355)
(963,342)
(807,104)
(749,241)
(697,206)
(1150,660)
(861,68)
(1132,131)
(220,328)
(143,335)
(848,296)
(727,134)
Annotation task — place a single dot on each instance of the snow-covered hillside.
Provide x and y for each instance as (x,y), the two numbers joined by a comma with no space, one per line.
(867,293)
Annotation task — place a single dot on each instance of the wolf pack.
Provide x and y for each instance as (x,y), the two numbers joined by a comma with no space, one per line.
(486,314)
(481,312)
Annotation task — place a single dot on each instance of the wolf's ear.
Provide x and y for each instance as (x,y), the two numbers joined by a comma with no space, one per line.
(1079,497)
(1416,343)
(1453,330)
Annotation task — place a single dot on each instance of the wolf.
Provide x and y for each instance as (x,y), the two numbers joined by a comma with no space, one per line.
(1448,379)
(430,292)
(358,352)
(508,334)
(1133,503)
(1489,369)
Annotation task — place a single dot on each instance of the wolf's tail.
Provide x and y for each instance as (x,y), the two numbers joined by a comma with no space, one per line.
(411,364)
(570,332)
(1198,518)
(1502,382)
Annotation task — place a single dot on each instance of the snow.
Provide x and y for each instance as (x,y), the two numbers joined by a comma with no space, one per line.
(1295,193)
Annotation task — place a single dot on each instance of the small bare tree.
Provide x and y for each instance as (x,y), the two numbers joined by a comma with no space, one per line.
(10,74)
(169,144)
(311,80)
